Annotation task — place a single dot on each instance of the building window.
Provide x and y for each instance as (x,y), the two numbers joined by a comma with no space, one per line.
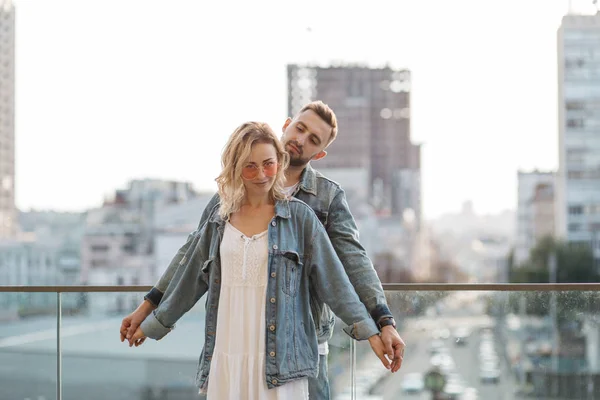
(99,247)
(386,113)
(127,248)
(574,227)
(575,210)
(575,123)
(575,105)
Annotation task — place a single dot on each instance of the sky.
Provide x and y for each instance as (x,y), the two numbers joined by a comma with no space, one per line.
(109,91)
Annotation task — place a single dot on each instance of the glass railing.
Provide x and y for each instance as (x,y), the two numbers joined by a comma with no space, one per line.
(498,341)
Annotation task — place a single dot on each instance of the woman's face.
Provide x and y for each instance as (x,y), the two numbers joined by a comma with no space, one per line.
(260,169)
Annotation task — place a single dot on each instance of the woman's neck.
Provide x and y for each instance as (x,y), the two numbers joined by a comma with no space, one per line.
(257,201)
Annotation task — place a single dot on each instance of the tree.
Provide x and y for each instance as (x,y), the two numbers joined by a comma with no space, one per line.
(574,263)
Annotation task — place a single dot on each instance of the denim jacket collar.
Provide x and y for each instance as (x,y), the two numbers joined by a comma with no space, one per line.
(282,210)
(308,180)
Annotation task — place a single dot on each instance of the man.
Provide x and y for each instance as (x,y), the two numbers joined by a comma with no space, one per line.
(305,138)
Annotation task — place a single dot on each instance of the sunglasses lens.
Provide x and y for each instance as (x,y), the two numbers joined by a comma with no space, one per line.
(271,170)
(249,172)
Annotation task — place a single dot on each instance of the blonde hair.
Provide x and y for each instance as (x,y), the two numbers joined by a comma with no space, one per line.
(236,152)
(326,114)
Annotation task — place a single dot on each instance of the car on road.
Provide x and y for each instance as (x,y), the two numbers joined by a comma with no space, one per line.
(436,346)
(469,394)
(444,361)
(453,391)
(443,333)
(413,383)
(489,375)
(461,336)
(455,387)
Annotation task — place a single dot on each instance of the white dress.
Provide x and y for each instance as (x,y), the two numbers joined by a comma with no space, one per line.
(238,364)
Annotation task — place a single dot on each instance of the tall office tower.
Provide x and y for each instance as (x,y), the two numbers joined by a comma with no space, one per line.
(8,218)
(578,181)
(373,156)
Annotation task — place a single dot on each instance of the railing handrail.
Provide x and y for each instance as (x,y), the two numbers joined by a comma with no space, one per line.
(426,287)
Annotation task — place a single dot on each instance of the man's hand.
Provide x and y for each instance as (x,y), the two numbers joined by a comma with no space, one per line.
(394,346)
(379,350)
(131,323)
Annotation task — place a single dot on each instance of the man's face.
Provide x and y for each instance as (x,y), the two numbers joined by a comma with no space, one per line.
(305,138)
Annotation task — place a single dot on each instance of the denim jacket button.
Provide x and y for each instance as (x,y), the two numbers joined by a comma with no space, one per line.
(272,299)
(275,247)
(273,274)
(274,381)
(272,328)
(272,354)
(273,223)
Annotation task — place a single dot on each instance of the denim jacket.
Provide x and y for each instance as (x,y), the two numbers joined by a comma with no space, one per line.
(328,201)
(300,257)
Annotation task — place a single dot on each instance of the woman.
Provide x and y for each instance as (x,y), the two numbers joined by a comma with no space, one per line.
(256,256)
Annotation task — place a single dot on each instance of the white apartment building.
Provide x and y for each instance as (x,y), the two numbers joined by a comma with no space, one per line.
(8,214)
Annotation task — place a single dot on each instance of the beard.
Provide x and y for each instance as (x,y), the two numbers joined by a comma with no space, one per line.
(296,159)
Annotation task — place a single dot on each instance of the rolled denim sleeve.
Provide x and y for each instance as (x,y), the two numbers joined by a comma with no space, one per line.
(155,294)
(343,233)
(327,273)
(362,330)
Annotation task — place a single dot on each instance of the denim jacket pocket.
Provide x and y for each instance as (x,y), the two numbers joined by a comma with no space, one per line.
(206,270)
(206,265)
(292,265)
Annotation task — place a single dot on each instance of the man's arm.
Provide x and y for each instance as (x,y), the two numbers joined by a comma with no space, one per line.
(343,234)
(327,274)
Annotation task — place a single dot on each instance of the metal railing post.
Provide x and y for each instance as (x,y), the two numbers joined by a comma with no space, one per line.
(58,347)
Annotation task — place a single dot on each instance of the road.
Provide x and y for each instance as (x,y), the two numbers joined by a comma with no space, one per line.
(418,333)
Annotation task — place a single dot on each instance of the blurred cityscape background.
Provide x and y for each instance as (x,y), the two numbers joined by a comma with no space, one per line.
(540,221)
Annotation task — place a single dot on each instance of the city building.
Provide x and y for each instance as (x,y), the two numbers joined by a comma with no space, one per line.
(578,183)
(45,253)
(472,247)
(542,205)
(172,226)
(8,213)
(527,185)
(373,156)
(119,238)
